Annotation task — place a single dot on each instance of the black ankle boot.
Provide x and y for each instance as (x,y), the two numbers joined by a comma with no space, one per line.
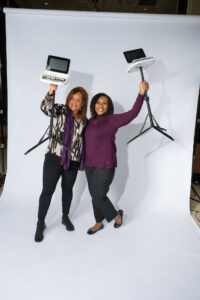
(66,221)
(39,236)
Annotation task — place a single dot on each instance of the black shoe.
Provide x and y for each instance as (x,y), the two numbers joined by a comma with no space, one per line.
(120,212)
(94,231)
(66,221)
(39,236)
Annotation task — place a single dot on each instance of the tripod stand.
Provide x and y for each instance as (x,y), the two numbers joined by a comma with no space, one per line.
(153,122)
(50,129)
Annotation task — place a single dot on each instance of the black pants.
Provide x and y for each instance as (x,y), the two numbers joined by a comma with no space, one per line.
(52,170)
(99,181)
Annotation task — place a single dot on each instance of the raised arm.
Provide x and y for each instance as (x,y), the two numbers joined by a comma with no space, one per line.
(119,120)
(47,102)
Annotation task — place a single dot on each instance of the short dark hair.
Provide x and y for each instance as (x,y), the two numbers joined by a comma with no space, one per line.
(95,98)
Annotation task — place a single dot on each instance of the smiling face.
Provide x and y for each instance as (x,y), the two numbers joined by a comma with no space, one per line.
(101,106)
(76,102)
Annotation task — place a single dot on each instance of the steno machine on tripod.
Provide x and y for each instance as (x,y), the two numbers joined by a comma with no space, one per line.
(137,60)
(56,72)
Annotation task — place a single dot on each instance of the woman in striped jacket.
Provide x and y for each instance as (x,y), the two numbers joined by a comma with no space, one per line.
(69,121)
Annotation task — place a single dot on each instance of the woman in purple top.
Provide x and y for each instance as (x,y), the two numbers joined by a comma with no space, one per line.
(101,161)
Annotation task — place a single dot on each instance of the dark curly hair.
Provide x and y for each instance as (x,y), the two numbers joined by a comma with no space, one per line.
(95,98)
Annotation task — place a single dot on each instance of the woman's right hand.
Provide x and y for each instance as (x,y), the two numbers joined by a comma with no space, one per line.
(53,87)
(144,86)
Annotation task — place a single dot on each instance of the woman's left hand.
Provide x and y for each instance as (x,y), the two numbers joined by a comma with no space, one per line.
(144,86)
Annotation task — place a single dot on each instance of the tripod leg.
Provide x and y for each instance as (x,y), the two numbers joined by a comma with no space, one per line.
(160,130)
(49,128)
(143,124)
(151,117)
(50,136)
(138,135)
(41,141)
(61,143)
(158,124)
(38,144)
(43,135)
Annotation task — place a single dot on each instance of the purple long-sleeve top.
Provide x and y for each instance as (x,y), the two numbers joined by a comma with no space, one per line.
(100,136)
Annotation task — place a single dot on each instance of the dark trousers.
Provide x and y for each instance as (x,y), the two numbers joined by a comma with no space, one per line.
(52,170)
(99,181)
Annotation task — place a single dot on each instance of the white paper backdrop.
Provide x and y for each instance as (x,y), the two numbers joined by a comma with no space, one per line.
(156,253)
